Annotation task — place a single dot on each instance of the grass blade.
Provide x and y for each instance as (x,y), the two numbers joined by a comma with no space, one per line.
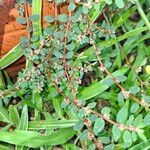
(52,124)
(4,115)
(106,44)
(96,11)
(101,86)
(23,124)
(35,139)
(37,10)
(14,115)
(141,146)
(2,82)
(57,107)
(11,57)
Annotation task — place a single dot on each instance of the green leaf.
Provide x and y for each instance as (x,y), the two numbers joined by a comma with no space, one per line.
(34,18)
(99,87)
(141,135)
(37,11)
(85,10)
(71,6)
(35,139)
(134,136)
(92,105)
(98,126)
(134,108)
(110,147)
(23,124)
(49,19)
(127,137)
(63,18)
(109,2)
(4,116)
(122,115)
(69,55)
(4,147)
(58,54)
(71,147)
(57,107)
(105,110)
(21,20)
(116,133)
(146,120)
(14,115)
(134,89)
(138,121)
(2,82)
(141,146)
(119,3)
(52,124)
(78,126)
(37,100)
(13,55)
(87,53)
(95,11)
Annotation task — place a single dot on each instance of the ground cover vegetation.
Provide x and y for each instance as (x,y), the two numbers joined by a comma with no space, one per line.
(86,80)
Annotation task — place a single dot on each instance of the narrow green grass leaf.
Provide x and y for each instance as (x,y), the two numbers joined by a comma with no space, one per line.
(14,115)
(52,124)
(57,107)
(23,124)
(13,55)
(96,11)
(35,139)
(4,115)
(141,146)
(71,147)
(2,82)
(37,101)
(101,86)
(37,10)
(106,44)
(2,147)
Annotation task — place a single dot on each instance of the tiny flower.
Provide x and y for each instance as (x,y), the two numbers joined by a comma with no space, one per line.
(77,1)
(36,51)
(132,128)
(87,122)
(88,5)
(87,110)
(116,80)
(79,81)
(97,52)
(1,94)
(102,68)
(91,41)
(106,116)
(144,103)
(80,18)
(125,93)
(67,101)
(96,1)
(79,38)
(78,103)
(90,136)
(139,69)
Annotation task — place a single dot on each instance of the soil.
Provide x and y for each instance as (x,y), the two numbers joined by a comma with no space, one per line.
(11,31)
